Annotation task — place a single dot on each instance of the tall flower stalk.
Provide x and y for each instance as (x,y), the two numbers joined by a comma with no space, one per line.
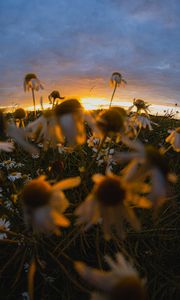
(31,82)
(116,80)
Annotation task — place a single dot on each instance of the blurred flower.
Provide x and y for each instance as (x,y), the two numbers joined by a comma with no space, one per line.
(147,162)
(142,121)
(116,80)
(111,122)
(110,200)
(53,98)
(19,116)
(70,117)
(122,281)
(174,139)
(140,105)
(6,146)
(31,82)
(4,225)
(44,204)
(44,130)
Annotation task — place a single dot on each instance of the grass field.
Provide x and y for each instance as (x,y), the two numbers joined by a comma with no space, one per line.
(154,249)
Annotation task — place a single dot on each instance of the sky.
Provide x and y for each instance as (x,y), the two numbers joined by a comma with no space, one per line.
(74,46)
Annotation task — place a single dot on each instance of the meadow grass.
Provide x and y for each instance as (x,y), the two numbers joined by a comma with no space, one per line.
(155,249)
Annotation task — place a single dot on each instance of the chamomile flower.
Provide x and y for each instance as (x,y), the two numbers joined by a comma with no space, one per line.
(4,225)
(6,146)
(110,201)
(147,162)
(174,139)
(14,176)
(112,122)
(44,204)
(122,281)
(70,117)
(19,116)
(140,105)
(142,121)
(44,130)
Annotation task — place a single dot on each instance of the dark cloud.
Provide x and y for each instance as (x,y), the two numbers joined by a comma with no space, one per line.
(77,44)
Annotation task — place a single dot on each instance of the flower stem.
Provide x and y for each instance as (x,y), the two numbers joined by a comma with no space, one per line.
(34,102)
(113,94)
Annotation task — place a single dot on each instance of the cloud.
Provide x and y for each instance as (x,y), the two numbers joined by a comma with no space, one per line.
(73,45)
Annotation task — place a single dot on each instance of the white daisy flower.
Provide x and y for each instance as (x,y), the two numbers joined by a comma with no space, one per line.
(110,200)
(6,146)
(4,225)
(44,204)
(174,139)
(14,176)
(147,162)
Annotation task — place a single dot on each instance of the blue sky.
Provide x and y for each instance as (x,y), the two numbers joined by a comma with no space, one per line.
(75,45)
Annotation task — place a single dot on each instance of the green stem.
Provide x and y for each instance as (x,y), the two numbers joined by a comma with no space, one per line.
(34,102)
(113,94)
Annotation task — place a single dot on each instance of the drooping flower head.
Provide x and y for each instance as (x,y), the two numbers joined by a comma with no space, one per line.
(19,113)
(31,81)
(140,105)
(122,281)
(148,162)
(112,121)
(174,139)
(116,78)
(19,116)
(44,204)
(53,96)
(109,200)
(70,117)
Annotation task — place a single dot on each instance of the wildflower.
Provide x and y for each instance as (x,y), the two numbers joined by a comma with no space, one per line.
(140,105)
(111,122)
(44,130)
(174,139)
(18,134)
(142,121)
(19,116)
(53,98)
(31,82)
(44,204)
(147,162)
(6,146)
(116,80)
(122,281)
(14,176)
(110,200)
(4,225)
(70,117)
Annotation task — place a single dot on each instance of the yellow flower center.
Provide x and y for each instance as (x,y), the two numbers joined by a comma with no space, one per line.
(110,192)
(36,193)
(128,288)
